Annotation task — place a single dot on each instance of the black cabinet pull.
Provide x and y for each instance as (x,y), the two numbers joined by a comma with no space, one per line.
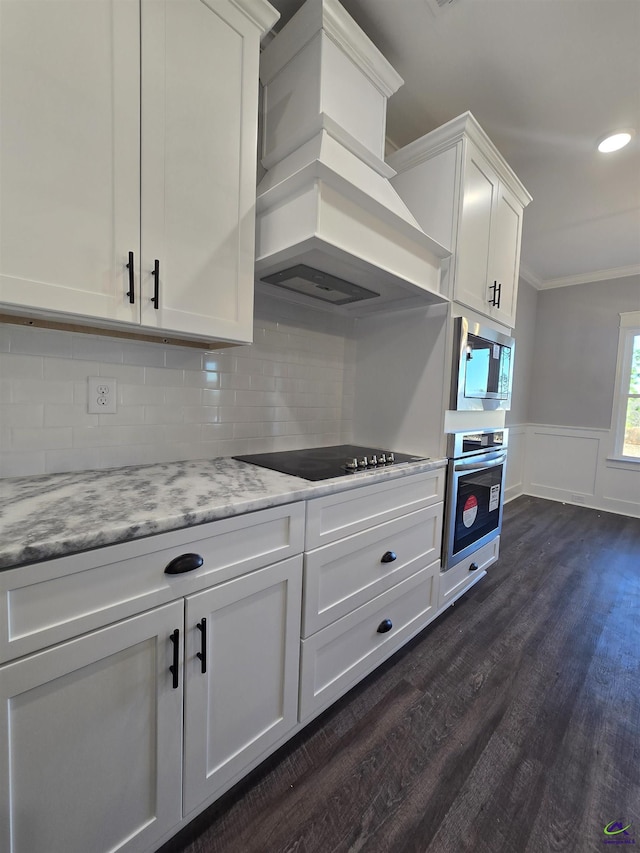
(474,567)
(156,285)
(173,669)
(202,654)
(131,292)
(184,563)
(389,557)
(384,626)
(497,293)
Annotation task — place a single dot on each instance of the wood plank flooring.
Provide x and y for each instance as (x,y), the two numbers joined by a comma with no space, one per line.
(510,724)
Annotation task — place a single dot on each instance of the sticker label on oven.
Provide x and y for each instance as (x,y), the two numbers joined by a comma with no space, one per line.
(470,510)
(494,497)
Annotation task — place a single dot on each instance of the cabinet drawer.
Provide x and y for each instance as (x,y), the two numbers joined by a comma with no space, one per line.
(335,516)
(459,579)
(45,603)
(346,574)
(336,658)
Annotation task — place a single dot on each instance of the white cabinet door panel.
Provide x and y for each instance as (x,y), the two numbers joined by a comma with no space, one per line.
(505,248)
(69,149)
(247,698)
(90,743)
(198,159)
(472,263)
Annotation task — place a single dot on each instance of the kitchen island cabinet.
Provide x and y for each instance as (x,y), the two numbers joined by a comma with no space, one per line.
(128,151)
(464,194)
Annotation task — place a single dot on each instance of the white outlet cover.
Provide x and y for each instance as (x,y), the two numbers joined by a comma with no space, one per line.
(101,399)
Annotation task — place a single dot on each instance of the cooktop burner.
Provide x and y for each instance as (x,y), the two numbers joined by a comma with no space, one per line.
(323,463)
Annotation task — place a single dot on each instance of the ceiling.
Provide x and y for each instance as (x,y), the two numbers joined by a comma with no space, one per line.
(545,79)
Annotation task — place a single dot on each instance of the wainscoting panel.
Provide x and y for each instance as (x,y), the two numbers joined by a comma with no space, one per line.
(571,465)
(516,462)
(563,463)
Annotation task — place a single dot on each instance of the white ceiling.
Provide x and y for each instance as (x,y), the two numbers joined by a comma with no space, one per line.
(546,79)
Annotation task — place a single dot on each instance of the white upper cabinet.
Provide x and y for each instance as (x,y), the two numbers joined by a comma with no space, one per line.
(464,194)
(129,133)
(69,149)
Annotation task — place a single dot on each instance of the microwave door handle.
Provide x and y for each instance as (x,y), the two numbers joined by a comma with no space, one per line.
(479,465)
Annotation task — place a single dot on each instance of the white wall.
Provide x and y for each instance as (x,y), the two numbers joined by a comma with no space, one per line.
(560,435)
(402,363)
(292,388)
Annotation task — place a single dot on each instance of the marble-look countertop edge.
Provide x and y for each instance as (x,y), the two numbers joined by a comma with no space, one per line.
(54,516)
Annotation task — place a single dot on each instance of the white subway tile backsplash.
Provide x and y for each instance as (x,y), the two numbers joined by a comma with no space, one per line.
(292,388)
(163,376)
(22,464)
(97,348)
(49,342)
(42,391)
(22,415)
(17,367)
(183,396)
(30,438)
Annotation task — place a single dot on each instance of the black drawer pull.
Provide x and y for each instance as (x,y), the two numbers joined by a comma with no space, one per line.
(131,292)
(174,668)
(202,654)
(389,557)
(184,563)
(474,567)
(384,626)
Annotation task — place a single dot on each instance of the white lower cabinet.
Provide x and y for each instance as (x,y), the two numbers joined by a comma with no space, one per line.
(339,656)
(371,573)
(460,578)
(91,740)
(95,756)
(142,680)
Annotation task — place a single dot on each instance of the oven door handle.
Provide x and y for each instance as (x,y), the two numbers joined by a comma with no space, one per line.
(488,462)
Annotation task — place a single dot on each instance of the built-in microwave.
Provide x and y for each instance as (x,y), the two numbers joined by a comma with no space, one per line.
(483,367)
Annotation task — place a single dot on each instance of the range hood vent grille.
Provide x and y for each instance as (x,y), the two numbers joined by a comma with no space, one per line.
(319,285)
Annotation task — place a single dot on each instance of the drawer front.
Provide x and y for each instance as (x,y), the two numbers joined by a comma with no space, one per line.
(460,578)
(336,658)
(46,603)
(346,574)
(334,516)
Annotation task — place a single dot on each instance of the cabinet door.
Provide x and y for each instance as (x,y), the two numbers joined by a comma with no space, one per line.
(479,192)
(90,743)
(199,120)
(69,137)
(242,698)
(505,253)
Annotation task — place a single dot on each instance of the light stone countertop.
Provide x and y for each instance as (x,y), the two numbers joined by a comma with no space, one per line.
(55,515)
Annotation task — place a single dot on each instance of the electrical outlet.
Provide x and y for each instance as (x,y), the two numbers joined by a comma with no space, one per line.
(102,395)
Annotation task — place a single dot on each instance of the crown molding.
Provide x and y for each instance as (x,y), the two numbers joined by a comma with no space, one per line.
(530,277)
(588,278)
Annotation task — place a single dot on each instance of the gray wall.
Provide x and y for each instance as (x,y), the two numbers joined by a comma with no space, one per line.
(524,334)
(575,350)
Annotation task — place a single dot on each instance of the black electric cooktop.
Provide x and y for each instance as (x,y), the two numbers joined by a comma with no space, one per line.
(323,463)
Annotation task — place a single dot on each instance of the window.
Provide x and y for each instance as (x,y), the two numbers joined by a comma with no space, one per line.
(626,408)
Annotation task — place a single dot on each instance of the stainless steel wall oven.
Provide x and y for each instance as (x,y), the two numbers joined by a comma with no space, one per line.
(475,492)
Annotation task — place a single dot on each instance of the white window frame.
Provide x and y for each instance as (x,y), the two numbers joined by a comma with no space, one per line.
(629,328)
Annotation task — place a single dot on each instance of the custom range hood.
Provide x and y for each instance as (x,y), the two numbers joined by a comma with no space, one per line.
(330,227)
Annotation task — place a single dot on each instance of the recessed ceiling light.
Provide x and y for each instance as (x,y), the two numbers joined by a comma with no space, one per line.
(615,141)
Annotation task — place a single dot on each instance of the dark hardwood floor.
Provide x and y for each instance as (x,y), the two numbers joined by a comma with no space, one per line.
(511,723)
